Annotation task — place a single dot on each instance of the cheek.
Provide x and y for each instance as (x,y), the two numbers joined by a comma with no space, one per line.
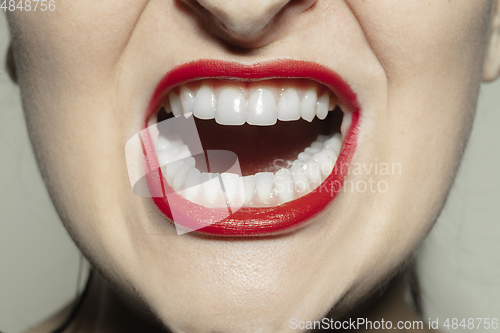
(432,53)
(408,36)
(430,50)
(67,51)
(67,62)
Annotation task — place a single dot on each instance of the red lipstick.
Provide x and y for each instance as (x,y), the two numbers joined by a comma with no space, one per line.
(250,221)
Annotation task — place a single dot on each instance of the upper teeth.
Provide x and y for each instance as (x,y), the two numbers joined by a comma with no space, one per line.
(257,103)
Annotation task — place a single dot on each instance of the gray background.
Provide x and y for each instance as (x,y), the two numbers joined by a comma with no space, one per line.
(459,264)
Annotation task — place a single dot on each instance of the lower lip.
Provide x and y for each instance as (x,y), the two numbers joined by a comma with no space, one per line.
(250,221)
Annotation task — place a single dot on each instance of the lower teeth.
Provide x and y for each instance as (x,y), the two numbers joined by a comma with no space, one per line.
(264,189)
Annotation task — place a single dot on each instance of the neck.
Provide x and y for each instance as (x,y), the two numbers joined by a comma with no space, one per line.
(389,307)
(103,312)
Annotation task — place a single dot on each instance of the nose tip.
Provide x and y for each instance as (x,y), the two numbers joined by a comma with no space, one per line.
(244,22)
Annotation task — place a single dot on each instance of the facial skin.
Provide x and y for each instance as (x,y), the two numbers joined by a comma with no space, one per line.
(88,69)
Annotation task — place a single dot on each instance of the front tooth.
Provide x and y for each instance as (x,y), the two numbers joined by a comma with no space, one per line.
(231,107)
(163,143)
(163,158)
(166,106)
(304,156)
(180,176)
(308,104)
(172,168)
(322,108)
(249,188)
(193,186)
(300,179)
(317,144)
(264,186)
(173,153)
(346,124)
(313,173)
(311,151)
(335,143)
(331,154)
(169,143)
(332,104)
(283,182)
(233,186)
(166,157)
(179,151)
(325,164)
(187,99)
(204,103)
(289,105)
(262,108)
(212,190)
(175,103)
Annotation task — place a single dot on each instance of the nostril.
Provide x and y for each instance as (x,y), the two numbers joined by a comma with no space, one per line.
(243,20)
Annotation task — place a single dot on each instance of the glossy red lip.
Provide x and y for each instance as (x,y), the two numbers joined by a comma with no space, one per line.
(249,222)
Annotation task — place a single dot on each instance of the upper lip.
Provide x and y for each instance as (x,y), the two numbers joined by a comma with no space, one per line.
(258,221)
(281,68)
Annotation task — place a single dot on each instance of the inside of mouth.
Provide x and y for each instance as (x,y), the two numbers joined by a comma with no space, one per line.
(278,163)
(264,148)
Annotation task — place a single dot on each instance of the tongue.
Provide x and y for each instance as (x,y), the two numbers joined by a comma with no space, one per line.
(262,148)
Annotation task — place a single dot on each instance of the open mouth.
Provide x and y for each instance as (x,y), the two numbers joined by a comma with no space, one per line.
(291,124)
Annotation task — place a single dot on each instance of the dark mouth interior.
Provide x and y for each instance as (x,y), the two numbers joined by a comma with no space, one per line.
(264,148)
